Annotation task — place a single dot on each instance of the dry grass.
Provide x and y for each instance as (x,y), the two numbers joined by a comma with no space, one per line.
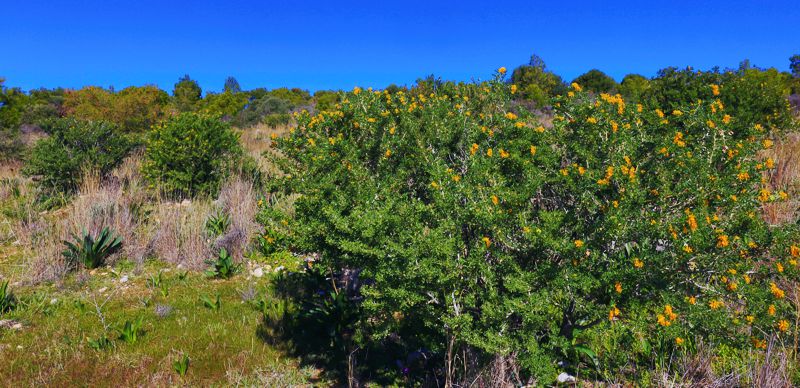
(237,199)
(180,236)
(257,142)
(785,176)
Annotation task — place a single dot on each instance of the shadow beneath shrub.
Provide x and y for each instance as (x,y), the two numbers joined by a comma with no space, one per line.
(319,319)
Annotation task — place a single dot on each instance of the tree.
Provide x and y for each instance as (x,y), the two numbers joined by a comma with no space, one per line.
(232,86)
(536,83)
(186,94)
(325,99)
(633,86)
(596,82)
(224,105)
(794,65)
(133,109)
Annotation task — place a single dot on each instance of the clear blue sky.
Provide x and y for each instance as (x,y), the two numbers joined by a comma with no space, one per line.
(339,44)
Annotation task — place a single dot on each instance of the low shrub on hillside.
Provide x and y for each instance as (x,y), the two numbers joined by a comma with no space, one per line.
(464,230)
(74,147)
(190,154)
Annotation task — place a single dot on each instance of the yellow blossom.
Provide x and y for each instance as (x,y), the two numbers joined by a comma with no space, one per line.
(783,325)
(501,70)
(533,150)
(487,241)
(578,243)
(489,152)
(637,263)
(618,287)
(576,87)
(503,153)
(776,292)
(473,149)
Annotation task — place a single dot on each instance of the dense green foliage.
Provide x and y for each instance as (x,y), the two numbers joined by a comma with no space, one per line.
(596,81)
(74,147)
(133,109)
(536,83)
(190,154)
(618,235)
(633,86)
(186,94)
(225,105)
(751,94)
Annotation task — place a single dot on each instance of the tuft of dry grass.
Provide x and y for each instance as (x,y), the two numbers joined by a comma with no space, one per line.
(771,370)
(695,370)
(786,177)
(180,236)
(237,199)
(257,142)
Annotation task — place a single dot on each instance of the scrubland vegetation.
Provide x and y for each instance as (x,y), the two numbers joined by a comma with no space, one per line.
(518,231)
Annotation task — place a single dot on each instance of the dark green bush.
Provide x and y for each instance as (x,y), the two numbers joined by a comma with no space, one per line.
(748,93)
(190,154)
(596,81)
(73,147)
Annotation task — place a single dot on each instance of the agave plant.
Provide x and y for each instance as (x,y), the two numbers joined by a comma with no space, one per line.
(7,299)
(90,251)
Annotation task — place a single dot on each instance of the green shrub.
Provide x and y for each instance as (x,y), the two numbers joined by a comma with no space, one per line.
(596,81)
(477,231)
(749,94)
(90,251)
(72,148)
(190,154)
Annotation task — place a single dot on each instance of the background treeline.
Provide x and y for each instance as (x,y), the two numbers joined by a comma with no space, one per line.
(137,108)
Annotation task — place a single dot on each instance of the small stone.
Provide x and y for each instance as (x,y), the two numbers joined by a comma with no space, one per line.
(258,272)
(565,378)
(53,301)
(279,269)
(123,279)
(186,203)
(102,290)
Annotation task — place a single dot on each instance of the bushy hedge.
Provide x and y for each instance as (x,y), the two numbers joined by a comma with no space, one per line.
(190,154)
(74,147)
(618,235)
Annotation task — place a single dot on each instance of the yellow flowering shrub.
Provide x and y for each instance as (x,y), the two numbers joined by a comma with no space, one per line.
(616,232)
